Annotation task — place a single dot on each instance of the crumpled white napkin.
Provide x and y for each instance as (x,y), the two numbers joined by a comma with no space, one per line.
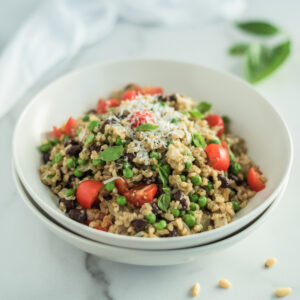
(57,31)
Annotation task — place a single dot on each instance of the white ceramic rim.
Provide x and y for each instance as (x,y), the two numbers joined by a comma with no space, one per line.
(117,237)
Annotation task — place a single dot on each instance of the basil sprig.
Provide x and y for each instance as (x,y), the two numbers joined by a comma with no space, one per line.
(147,127)
(260,60)
(163,202)
(164,172)
(111,153)
(198,140)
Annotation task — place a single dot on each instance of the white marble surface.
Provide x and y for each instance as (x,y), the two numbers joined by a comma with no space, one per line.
(35,264)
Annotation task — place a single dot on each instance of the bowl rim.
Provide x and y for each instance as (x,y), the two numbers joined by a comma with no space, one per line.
(129,239)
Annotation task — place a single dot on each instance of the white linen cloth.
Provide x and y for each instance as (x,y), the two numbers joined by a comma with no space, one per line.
(59,29)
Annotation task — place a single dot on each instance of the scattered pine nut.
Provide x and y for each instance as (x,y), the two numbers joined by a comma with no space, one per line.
(196,289)
(270,262)
(224,284)
(282,292)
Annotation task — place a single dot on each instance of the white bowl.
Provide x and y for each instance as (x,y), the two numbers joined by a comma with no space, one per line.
(136,256)
(253,118)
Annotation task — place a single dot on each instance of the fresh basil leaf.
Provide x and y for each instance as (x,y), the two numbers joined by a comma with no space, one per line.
(163,202)
(198,140)
(258,27)
(147,127)
(196,114)
(238,49)
(203,107)
(261,60)
(112,153)
(167,191)
(163,176)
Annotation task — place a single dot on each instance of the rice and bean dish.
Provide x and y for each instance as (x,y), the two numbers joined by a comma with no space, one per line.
(149,164)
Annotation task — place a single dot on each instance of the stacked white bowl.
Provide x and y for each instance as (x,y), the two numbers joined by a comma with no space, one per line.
(253,118)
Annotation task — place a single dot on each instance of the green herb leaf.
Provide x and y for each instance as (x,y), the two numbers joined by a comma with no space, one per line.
(261,61)
(164,177)
(167,191)
(258,27)
(203,107)
(238,49)
(196,114)
(147,127)
(198,140)
(112,153)
(163,202)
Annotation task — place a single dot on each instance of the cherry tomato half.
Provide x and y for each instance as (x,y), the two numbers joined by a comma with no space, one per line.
(254,181)
(87,192)
(70,127)
(218,157)
(141,117)
(216,121)
(129,95)
(151,90)
(103,105)
(57,132)
(141,194)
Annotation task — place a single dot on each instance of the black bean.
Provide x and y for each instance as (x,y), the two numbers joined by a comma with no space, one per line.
(130,156)
(155,208)
(235,178)
(78,215)
(46,157)
(211,178)
(148,180)
(95,147)
(173,232)
(224,180)
(139,224)
(160,98)
(179,195)
(70,142)
(74,150)
(89,173)
(91,111)
(184,204)
(108,197)
(69,204)
(160,190)
(96,203)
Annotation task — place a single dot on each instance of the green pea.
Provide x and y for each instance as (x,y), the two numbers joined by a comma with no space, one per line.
(92,125)
(182,212)
(90,139)
(127,173)
(151,218)
(126,165)
(231,157)
(175,212)
(97,162)
(86,118)
(109,186)
(81,161)
(58,157)
(161,225)
(189,220)
(214,142)
(174,121)
(71,163)
(183,178)
(194,206)
(190,212)
(209,186)
(154,154)
(78,173)
(188,165)
(70,192)
(121,200)
(202,201)
(54,142)
(196,180)
(120,142)
(236,206)
(45,148)
(194,197)
(236,168)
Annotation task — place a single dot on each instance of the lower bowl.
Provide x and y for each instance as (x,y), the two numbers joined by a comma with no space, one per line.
(136,256)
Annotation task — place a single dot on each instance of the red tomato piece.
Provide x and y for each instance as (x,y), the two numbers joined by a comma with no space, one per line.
(254,180)
(141,194)
(151,90)
(224,144)
(103,105)
(121,185)
(216,121)
(57,132)
(218,157)
(141,117)
(129,95)
(100,228)
(70,127)
(87,192)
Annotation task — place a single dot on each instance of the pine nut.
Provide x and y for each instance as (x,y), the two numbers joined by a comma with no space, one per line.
(282,292)
(196,289)
(224,284)
(270,262)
